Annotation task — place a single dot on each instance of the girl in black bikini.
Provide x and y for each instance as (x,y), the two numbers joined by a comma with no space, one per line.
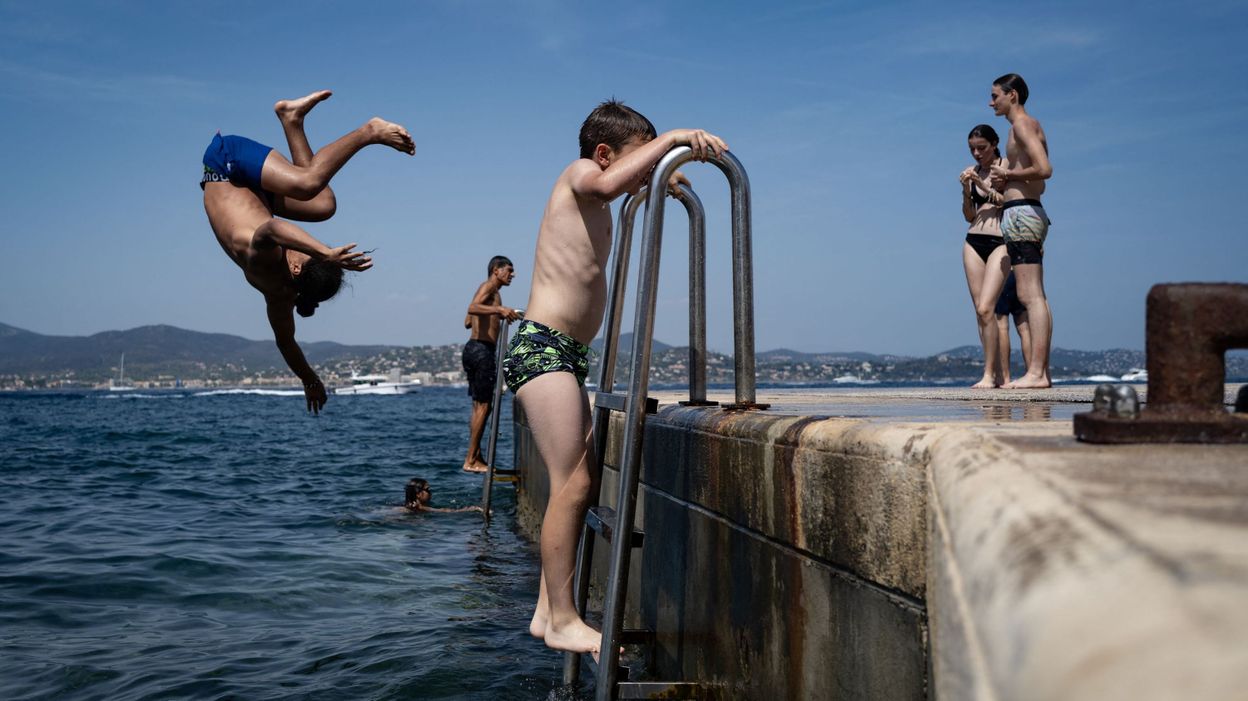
(983,255)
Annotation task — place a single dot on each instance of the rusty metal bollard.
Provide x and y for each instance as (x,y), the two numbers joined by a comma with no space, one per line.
(1190,327)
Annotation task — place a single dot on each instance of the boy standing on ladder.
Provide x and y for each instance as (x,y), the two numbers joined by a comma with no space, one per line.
(485,315)
(548,359)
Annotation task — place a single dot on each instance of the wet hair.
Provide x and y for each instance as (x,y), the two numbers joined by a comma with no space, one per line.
(497,262)
(613,124)
(415,486)
(1013,82)
(988,134)
(316,282)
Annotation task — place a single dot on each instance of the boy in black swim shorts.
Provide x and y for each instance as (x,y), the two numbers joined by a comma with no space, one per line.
(485,315)
(548,359)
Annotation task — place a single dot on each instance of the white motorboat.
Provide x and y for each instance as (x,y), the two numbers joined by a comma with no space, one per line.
(1136,375)
(378,384)
(853,380)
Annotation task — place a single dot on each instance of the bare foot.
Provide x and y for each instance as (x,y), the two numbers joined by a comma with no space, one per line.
(537,626)
(985,383)
(295,110)
(392,135)
(575,637)
(1030,381)
(473,467)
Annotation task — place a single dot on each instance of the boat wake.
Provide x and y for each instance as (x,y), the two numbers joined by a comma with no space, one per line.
(260,392)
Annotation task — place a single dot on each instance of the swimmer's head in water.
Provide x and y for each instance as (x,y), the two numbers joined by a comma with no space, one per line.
(614,124)
(316,282)
(981,138)
(417,493)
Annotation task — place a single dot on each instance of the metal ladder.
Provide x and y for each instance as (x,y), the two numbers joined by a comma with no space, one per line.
(617,525)
(493,474)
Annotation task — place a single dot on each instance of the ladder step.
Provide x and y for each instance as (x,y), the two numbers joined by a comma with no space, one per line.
(621,672)
(602,520)
(665,690)
(506,478)
(619,402)
(636,636)
(501,471)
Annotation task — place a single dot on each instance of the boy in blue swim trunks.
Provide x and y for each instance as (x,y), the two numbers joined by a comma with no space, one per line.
(548,358)
(248,185)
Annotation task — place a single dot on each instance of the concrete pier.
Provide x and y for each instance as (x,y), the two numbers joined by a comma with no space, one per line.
(934,543)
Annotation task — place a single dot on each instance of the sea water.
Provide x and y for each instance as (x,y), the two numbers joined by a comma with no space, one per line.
(188,545)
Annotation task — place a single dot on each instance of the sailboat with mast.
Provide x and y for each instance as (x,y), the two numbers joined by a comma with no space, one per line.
(120,384)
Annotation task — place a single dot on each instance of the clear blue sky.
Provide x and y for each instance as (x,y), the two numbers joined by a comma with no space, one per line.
(851,119)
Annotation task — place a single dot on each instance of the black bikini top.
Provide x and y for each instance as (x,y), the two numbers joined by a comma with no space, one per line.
(977,199)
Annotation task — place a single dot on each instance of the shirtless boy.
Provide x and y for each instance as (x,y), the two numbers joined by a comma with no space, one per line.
(485,315)
(548,359)
(1024,223)
(247,185)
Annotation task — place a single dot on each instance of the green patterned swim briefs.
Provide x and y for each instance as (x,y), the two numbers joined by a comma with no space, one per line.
(538,349)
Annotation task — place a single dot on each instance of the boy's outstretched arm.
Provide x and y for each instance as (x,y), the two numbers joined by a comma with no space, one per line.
(609,183)
(460,510)
(282,320)
(276,232)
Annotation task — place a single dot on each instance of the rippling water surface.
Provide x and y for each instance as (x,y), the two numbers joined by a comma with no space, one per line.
(175,545)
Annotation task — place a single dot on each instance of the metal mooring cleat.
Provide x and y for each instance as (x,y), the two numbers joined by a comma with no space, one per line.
(1189,328)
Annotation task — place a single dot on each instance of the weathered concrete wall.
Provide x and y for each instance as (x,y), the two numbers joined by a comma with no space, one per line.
(784,555)
(803,557)
(1063,571)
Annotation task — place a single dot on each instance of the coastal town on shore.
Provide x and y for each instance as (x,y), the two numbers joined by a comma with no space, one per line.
(441,366)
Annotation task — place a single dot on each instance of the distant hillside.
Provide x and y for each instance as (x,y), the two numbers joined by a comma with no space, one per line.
(786,355)
(626,345)
(1115,361)
(161,353)
(151,351)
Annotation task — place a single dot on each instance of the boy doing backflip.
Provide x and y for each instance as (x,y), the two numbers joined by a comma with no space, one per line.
(548,359)
(248,185)
(1024,223)
(485,315)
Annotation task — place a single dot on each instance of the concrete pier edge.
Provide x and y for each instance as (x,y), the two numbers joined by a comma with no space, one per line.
(792,555)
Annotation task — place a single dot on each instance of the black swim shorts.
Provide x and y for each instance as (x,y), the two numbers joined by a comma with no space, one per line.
(479,365)
(1025,252)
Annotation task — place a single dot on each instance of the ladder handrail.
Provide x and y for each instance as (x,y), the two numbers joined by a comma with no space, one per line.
(606,383)
(742,257)
(643,332)
(697,290)
(495,416)
(697,293)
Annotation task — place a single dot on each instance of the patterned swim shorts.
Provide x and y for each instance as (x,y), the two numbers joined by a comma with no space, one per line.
(538,349)
(1024,226)
(1024,221)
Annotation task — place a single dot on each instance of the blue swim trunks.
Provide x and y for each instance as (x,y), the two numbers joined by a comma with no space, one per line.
(234,159)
